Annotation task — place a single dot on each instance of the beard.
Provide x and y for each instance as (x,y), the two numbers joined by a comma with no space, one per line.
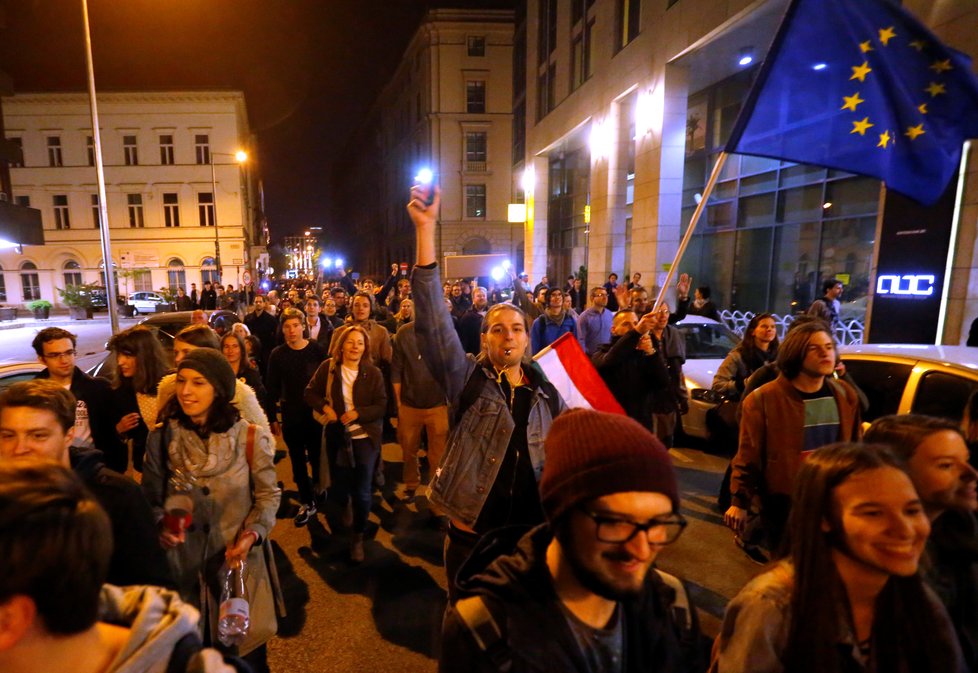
(593,580)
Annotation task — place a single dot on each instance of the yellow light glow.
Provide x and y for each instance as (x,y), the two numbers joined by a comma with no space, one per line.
(241,156)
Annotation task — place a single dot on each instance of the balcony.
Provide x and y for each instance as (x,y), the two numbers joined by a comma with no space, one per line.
(475,167)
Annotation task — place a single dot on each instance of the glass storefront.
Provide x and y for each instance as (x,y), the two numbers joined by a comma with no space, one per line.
(772,230)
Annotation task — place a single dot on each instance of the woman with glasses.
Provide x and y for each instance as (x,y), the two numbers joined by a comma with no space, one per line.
(140,364)
(848,596)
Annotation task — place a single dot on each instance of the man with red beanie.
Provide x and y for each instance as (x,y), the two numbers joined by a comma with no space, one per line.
(578,593)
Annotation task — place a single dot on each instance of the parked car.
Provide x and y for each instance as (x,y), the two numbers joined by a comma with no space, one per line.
(707,344)
(917,379)
(146,302)
(15,372)
(166,326)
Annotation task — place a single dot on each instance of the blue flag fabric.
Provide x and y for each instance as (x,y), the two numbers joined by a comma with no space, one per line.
(862,86)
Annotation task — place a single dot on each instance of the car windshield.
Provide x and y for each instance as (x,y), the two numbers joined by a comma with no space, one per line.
(705,341)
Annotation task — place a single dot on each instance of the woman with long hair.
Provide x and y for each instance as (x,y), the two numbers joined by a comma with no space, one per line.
(236,353)
(349,391)
(225,465)
(758,347)
(140,364)
(848,596)
(404,315)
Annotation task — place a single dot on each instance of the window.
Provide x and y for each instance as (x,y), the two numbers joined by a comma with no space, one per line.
(202,147)
(176,277)
(130,153)
(19,142)
(475,150)
(582,26)
(208,271)
(628,21)
(476,45)
(166,150)
(3,286)
(90,149)
(942,394)
(72,273)
(95,211)
(24,201)
(135,206)
(171,210)
(54,151)
(61,220)
(475,201)
(29,281)
(883,383)
(205,209)
(475,97)
(142,280)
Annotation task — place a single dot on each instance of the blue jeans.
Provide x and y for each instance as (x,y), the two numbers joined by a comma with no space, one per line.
(358,482)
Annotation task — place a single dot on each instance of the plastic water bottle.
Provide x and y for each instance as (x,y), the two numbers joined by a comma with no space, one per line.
(233,620)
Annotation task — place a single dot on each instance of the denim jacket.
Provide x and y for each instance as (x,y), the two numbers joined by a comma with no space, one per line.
(477,443)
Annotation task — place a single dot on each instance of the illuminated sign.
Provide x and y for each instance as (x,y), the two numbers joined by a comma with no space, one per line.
(919,285)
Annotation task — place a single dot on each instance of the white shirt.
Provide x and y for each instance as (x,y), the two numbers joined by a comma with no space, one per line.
(349,376)
(314,329)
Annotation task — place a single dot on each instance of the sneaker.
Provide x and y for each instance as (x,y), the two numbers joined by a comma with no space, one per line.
(306,512)
(754,552)
(356,548)
(408,496)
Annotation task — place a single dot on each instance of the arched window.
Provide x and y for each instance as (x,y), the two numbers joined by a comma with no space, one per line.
(477,245)
(176,277)
(72,273)
(29,281)
(208,271)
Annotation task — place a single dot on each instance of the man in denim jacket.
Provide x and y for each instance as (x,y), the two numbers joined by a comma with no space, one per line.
(502,406)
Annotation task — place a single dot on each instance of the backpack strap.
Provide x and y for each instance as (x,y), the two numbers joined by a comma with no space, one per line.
(680,609)
(250,445)
(477,618)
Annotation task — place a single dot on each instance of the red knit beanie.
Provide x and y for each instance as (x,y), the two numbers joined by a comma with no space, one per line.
(590,454)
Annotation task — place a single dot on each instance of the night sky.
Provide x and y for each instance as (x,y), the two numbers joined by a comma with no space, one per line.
(310,70)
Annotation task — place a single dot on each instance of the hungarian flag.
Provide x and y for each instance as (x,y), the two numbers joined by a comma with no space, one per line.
(570,371)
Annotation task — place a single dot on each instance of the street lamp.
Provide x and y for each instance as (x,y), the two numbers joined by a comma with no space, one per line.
(240,156)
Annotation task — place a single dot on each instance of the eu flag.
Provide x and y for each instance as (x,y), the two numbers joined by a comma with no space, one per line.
(862,86)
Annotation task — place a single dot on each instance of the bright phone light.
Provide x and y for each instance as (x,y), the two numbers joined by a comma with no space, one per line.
(327,262)
(339,263)
(497,273)
(506,265)
(424,176)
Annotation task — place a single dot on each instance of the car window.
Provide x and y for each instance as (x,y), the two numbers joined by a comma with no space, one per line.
(7,381)
(883,383)
(708,341)
(943,394)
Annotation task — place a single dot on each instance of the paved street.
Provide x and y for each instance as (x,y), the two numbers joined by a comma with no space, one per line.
(385,615)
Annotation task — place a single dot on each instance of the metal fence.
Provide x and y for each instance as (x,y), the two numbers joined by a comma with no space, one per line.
(848,333)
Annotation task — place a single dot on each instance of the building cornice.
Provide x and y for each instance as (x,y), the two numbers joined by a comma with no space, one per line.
(74,98)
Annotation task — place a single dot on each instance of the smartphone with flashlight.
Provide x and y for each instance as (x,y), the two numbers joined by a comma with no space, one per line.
(426,178)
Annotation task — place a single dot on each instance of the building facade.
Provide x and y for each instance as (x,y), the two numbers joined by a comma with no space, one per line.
(166,218)
(448,107)
(627,105)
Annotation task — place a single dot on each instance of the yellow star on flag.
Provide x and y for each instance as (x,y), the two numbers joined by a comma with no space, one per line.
(884,139)
(852,102)
(914,131)
(935,89)
(859,72)
(918,45)
(886,34)
(865,46)
(922,108)
(941,66)
(860,127)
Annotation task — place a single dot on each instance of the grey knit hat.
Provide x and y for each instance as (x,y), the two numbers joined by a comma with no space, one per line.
(214,367)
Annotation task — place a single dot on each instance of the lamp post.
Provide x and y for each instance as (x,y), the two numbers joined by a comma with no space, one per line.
(240,156)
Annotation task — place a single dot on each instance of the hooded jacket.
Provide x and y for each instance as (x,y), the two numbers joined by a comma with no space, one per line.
(137,557)
(519,593)
(157,620)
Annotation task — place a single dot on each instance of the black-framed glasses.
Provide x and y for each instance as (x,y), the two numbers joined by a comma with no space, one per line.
(660,530)
(62,354)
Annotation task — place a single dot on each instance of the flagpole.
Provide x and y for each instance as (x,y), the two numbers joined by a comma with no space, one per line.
(103,212)
(710,184)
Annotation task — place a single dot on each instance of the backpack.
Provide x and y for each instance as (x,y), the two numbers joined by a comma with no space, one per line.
(485,630)
(190,645)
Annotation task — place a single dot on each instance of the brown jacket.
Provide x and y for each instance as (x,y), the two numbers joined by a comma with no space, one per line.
(772,437)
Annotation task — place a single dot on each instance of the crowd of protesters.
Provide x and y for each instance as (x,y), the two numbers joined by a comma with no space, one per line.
(553,517)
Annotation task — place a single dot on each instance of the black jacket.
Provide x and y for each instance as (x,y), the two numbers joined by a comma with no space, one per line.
(519,593)
(208,300)
(469,328)
(264,327)
(96,394)
(633,377)
(951,569)
(137,557)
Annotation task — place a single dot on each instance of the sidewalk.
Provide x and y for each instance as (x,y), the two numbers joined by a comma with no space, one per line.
(59,318)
